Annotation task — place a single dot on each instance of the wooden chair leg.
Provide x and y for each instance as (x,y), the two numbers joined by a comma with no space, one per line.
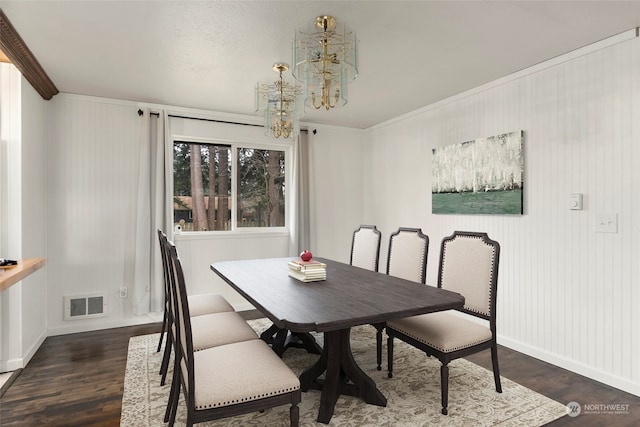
(444,387)
(496,369)
(294,416)
(390,357)
(164,327)
(379,329)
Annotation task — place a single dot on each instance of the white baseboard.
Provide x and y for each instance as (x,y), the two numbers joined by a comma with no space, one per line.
(132,321)
(21,362)
(97,326)
(590,372)
(12,365)
(31,351)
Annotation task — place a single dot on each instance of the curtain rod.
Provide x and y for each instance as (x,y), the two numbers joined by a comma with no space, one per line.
(213,120)
(140,113)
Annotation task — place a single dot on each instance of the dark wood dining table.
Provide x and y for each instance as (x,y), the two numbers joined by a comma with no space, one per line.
(350,296)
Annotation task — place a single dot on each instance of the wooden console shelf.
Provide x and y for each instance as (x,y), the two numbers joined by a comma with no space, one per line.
(9,276)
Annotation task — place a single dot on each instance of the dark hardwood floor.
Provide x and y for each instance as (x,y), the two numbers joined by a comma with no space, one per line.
(77,380)
(564,386)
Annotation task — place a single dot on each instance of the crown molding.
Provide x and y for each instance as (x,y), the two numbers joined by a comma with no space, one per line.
(19,54)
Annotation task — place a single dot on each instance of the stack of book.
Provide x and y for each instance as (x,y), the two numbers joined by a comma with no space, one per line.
(307,271)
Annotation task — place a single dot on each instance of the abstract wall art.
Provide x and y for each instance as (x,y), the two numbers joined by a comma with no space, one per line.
(483,176)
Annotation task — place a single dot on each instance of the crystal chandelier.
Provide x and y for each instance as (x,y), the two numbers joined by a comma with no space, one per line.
(325,60)
(280,102)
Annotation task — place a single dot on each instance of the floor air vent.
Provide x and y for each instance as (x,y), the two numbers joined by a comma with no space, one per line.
(85,306)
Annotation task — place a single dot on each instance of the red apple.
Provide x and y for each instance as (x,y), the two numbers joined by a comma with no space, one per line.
(306,256)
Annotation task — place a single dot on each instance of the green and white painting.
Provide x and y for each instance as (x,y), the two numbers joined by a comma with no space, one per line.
(483,176)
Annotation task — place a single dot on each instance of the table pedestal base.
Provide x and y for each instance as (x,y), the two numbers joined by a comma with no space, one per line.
(343,376)
(281,339)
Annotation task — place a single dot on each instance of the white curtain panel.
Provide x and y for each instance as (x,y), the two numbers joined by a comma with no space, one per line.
(300,235)
(161,201)
(151,212)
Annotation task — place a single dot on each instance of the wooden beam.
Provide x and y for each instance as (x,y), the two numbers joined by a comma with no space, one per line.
(19,55)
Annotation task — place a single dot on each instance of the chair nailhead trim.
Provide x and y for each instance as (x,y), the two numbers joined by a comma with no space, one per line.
(247,399)
(437,347)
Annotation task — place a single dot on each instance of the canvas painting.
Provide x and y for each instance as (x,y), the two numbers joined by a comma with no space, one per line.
(483,176)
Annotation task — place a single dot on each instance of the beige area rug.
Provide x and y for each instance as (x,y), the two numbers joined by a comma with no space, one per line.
(413,395)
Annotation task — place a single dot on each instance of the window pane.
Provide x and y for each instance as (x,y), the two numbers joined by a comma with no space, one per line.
(201,186)
(260,188)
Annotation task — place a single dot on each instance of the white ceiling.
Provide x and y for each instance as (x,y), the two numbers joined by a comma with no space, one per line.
(210,54)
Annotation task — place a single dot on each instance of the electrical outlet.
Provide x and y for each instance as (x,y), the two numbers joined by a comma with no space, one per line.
(123,292)
(606,223)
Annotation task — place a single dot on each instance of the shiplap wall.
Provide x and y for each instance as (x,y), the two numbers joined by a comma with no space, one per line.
(92,171)
(567,294)
(335,189)
(10,213)
(34,213)
(23,307)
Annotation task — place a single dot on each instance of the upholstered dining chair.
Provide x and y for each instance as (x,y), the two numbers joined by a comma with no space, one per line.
(407,259)
(200,304)
(208,330)
(365,247)
(226,380)
(468,265)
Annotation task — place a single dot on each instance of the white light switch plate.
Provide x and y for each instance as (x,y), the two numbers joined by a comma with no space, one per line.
(606,223)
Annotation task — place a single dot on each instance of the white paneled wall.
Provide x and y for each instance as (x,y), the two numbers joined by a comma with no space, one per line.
(336,190)
(34,214)
(10,213)
(92,170)
(567,294)
(23,307)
